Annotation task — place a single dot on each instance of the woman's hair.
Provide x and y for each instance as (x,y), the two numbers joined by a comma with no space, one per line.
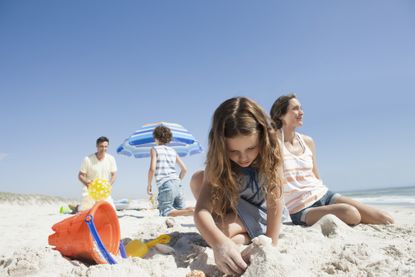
(279,108)
(235,117)
(162,134)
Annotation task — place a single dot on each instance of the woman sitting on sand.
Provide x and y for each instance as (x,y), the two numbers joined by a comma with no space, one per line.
(305,195)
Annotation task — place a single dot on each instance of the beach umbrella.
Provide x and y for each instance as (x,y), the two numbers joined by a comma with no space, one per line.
(141,141)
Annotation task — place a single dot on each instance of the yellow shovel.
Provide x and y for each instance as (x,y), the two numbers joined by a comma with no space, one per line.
(137,248)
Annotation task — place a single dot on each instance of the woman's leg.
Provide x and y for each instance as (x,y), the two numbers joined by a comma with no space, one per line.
(233,228)
(369,214)
(347,213)
(196,183)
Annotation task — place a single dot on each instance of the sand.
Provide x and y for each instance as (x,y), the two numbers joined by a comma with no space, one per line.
(329,248)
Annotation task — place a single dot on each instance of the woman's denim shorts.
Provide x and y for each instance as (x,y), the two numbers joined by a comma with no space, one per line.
(327,199)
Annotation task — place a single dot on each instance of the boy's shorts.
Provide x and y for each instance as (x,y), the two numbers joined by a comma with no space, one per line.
(327,199)
(170,197)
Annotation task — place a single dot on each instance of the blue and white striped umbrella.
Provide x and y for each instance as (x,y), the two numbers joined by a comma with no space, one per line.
(140,143)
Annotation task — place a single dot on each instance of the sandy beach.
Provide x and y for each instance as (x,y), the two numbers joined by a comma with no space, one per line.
(329,248)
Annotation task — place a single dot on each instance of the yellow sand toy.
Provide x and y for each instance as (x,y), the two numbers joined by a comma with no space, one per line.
(137,248)
(153,201)
(99,189)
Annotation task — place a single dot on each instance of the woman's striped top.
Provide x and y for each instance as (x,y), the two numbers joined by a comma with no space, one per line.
(301,188)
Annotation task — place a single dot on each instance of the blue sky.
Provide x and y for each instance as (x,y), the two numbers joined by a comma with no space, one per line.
(71,71)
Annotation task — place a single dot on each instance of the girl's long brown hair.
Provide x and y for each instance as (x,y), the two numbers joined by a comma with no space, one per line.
(234,117)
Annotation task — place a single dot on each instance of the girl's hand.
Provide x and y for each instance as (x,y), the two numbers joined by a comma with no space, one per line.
(228,258)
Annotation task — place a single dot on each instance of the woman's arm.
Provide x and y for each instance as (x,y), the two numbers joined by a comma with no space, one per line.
(310,143)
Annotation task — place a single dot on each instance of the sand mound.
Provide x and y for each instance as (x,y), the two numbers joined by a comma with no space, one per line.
(331,226)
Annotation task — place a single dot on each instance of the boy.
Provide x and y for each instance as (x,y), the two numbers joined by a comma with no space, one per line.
(163,168)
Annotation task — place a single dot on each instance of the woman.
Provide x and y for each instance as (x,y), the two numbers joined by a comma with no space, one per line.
(305,195)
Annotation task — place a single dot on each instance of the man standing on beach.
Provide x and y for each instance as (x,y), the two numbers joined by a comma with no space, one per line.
(98,165)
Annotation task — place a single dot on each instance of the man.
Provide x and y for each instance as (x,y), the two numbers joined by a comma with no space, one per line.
(98,165)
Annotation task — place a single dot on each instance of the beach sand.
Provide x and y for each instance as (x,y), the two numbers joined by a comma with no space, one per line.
(329,248)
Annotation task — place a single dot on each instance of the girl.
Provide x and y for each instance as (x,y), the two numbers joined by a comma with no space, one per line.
(305,195)
(241,192)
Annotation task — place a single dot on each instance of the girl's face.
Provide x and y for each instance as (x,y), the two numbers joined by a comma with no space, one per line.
(294,116)
(243,150)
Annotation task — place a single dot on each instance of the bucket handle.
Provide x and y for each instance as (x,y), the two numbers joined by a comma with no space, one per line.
(89,219)
(122,250)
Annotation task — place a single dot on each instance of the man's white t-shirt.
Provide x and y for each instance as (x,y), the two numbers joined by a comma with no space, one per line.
(94,168)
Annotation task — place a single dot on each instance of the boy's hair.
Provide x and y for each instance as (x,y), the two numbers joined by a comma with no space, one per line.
(234,117)
(102,139)
(162,134)
(279,108)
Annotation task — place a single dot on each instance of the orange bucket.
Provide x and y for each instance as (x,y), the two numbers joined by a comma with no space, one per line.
(91,235)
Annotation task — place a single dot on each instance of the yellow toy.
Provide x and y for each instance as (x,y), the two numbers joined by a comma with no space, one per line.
(153,201)
(99,189)
(137,248)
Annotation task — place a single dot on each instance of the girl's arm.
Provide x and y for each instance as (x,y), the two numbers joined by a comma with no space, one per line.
(310,143)
(151,170)
(275,207)
(274,213)
(183,169)
(204,220)
(227,255)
